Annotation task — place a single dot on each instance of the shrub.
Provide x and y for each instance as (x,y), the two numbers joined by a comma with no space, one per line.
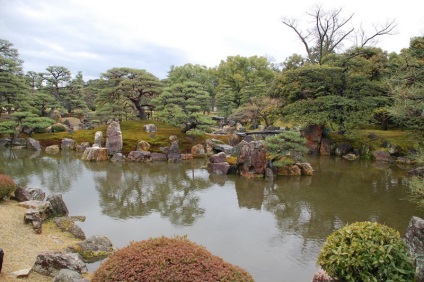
(366,251)
(167,259)
(7,186)
(58,128)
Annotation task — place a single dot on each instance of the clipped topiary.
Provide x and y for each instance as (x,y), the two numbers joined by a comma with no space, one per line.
(366,251)
(7,186)
(167,259)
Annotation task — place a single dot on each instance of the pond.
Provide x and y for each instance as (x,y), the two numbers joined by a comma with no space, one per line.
(273,229)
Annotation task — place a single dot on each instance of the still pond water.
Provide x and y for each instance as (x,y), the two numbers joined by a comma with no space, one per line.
(274,230)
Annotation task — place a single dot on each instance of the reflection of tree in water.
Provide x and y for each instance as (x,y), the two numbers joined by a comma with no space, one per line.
(56,172)
(138,189)
(340,192)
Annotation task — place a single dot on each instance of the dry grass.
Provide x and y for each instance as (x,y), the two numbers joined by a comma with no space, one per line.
(21,245)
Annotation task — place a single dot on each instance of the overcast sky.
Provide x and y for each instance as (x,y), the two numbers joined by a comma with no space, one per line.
(93,36)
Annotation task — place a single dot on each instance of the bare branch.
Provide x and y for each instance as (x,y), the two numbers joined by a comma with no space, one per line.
(387,29)
(293,25)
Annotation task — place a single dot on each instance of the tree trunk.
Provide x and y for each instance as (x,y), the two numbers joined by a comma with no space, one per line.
(188,126)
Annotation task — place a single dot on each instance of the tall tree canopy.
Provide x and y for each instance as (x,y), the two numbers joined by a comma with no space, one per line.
(407,85)
(130,87)
(13,90)
(242,78)
(330,30)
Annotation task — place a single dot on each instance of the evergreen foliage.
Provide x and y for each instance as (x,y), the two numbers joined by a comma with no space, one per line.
(285,148)
(366,251)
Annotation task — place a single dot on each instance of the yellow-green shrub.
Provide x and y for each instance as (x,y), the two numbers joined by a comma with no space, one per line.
(366,251)
(167,259)
(7,186)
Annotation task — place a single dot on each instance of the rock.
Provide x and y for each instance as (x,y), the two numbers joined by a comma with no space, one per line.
(98,139)
(37,223)
(95,154)
(305,168)
(81,147)
(322,276)
(93,249)
(403,160)
(118,157)
(33,144)
(22,195)
(269,174)
(350,157)
(174,154)
(252,158)
(143,146)
(227,149)
(325,148)
(67,224)
(173,138)
(414,238)
(59,207)
(35,204)
(139,156)
(198,151)
(154,157)
(249,138)
(218,158)
(53,149)
(292,170)
(37,194)
(67,144)
(23,273)
(419,171)
(219,168)
(234,140)
(51,262)
(313,135)
(343,149)
(114,141)
(67,275)
(261,127)
(382,156)
(185,157)
(150,128)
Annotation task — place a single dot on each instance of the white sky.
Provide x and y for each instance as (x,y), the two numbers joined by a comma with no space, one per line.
(93,36)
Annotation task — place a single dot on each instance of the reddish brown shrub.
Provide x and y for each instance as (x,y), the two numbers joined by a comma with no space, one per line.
(167,259)
(7,186)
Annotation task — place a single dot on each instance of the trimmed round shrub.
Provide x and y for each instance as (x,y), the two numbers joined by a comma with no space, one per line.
(7,186)
(366,251)
(167,259)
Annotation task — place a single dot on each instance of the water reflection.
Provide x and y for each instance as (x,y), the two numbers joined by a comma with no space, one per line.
(273,229)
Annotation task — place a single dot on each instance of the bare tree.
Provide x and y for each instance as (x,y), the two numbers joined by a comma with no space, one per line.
(329,31)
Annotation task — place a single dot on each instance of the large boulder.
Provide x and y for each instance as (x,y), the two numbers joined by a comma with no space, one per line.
(139,156)
(67,224)
(383,156)
(93,249)
(143,146)
(67,144)
(33,144)
(313,135)
(414,238)
(59,207)
(251,160)
(53,149)
(98,139)
(218,163)
(67,275)
(51,262)
(155,157)
(81,147)
(198,151)
(22,195)
(95,154)
(118,157)
(305,168)
(291,170)
(150,128)
(174,154)
(114,141)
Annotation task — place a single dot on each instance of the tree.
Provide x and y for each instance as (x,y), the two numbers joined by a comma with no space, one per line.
(13,91)
(407,85)
(243,78)
(285,148)
(258,109)
(131,87)
(184,104)
(74,99)
(343,91)
(329,31)
(195,73)
(58,79)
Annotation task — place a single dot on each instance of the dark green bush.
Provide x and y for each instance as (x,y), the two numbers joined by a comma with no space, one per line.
(167,259)
(366,251)
(58,128)
(7,186)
